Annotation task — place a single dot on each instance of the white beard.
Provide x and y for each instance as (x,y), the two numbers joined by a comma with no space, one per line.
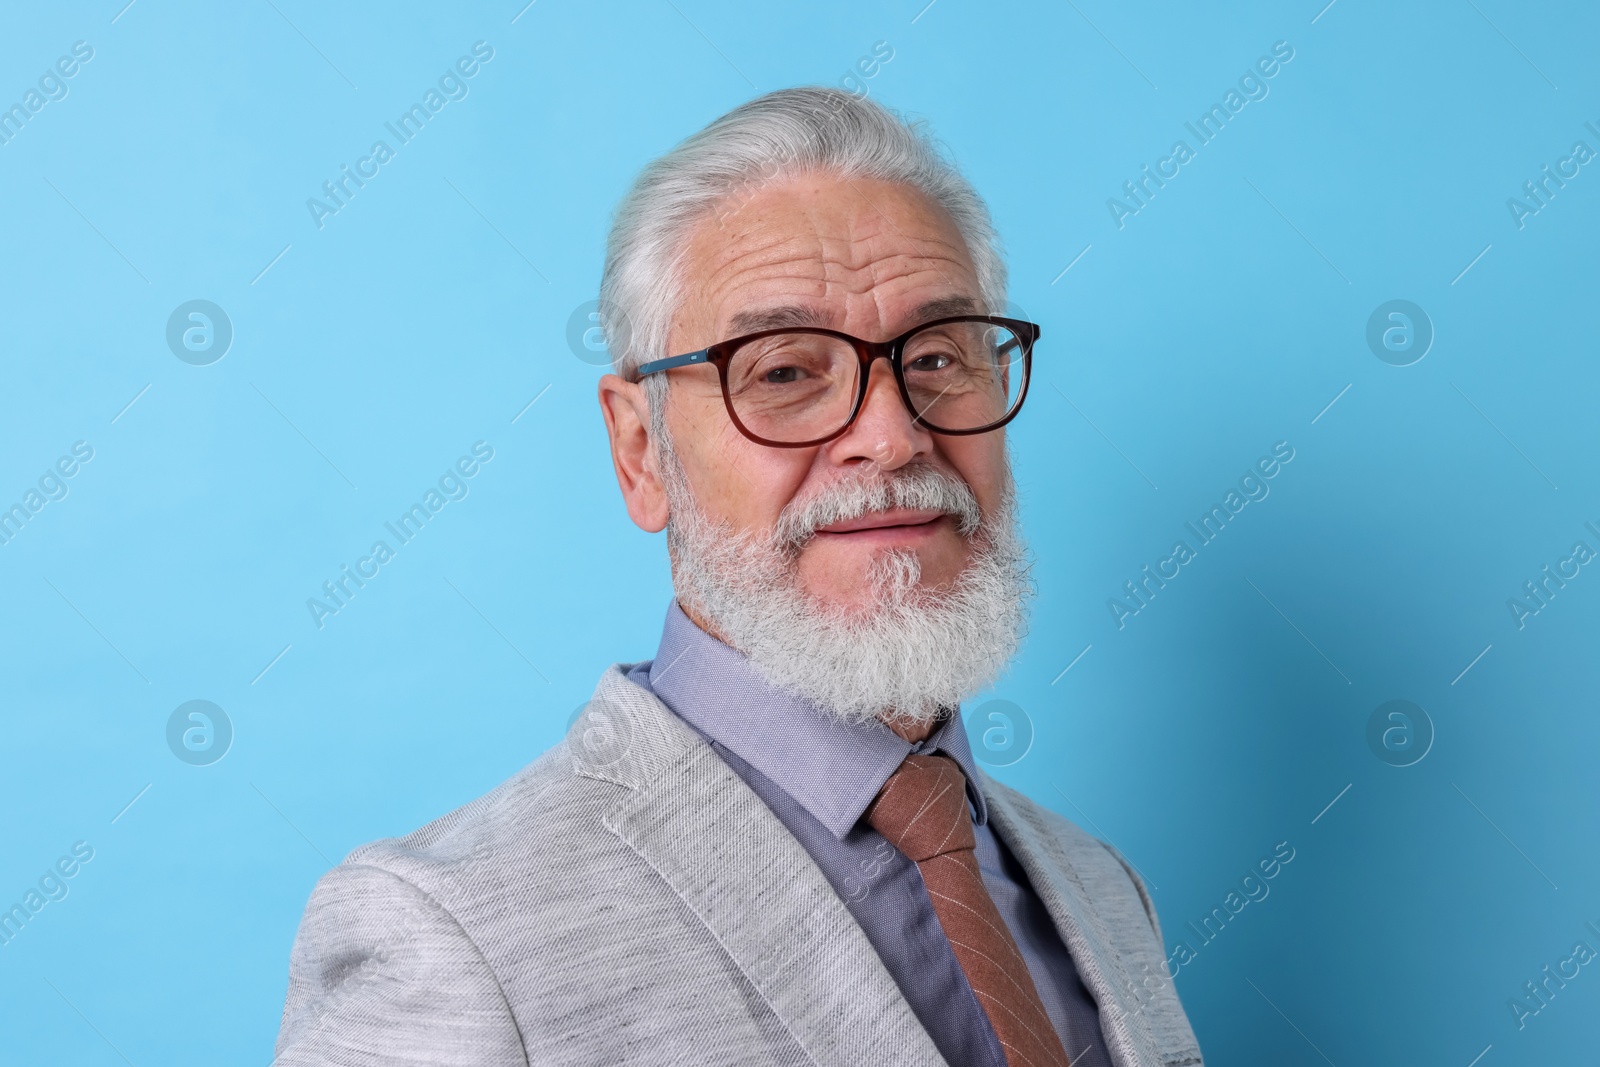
(912,653)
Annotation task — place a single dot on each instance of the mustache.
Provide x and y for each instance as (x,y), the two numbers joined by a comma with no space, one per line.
(920,487)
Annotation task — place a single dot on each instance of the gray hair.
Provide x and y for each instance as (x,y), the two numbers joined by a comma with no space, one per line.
(768,139)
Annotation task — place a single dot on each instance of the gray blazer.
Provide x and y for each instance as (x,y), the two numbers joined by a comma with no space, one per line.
(626,899)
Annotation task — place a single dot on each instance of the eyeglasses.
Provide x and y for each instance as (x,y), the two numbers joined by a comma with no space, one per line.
(799,386)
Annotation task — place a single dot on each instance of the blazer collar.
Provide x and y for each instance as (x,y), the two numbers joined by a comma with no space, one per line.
(758,891)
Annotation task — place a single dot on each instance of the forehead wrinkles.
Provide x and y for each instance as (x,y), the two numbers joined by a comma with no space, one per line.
(835,261)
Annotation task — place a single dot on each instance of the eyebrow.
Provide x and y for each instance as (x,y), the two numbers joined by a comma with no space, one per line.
(754,320)
(948,305)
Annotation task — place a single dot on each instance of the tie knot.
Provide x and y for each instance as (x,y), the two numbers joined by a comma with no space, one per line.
(922,808)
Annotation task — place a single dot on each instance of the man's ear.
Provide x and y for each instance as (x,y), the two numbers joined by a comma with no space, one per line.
(627,415)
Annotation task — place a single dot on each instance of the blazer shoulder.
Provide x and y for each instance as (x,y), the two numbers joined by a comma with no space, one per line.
(556,795)
(379,963)
(543,830)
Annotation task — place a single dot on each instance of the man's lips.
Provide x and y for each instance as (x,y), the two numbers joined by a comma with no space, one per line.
(898,520)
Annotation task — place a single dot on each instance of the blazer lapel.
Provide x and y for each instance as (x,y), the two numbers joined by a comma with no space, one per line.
(751,882)
(1096,946)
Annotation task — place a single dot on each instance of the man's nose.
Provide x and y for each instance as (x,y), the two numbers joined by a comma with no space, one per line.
(884,431)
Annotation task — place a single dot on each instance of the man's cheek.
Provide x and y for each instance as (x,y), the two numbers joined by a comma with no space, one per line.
(982,463)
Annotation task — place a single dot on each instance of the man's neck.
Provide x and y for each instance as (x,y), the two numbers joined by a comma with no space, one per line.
(912,732)
(695,617)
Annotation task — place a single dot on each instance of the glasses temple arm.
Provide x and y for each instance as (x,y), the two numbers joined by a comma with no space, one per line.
(672,361)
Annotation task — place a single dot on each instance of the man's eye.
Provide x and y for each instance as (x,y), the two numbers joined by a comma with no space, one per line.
(930,362)
(781,375)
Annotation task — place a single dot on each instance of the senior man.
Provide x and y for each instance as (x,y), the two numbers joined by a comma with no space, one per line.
(770,844)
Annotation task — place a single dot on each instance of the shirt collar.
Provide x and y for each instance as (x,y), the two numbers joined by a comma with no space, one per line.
(832,769)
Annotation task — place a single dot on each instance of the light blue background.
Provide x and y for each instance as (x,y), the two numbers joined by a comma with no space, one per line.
(425,316)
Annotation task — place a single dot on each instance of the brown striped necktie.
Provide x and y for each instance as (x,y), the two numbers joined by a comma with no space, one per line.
(922,811)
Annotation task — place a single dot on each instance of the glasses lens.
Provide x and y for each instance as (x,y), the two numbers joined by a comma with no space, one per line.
(793,386)
(964,375)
